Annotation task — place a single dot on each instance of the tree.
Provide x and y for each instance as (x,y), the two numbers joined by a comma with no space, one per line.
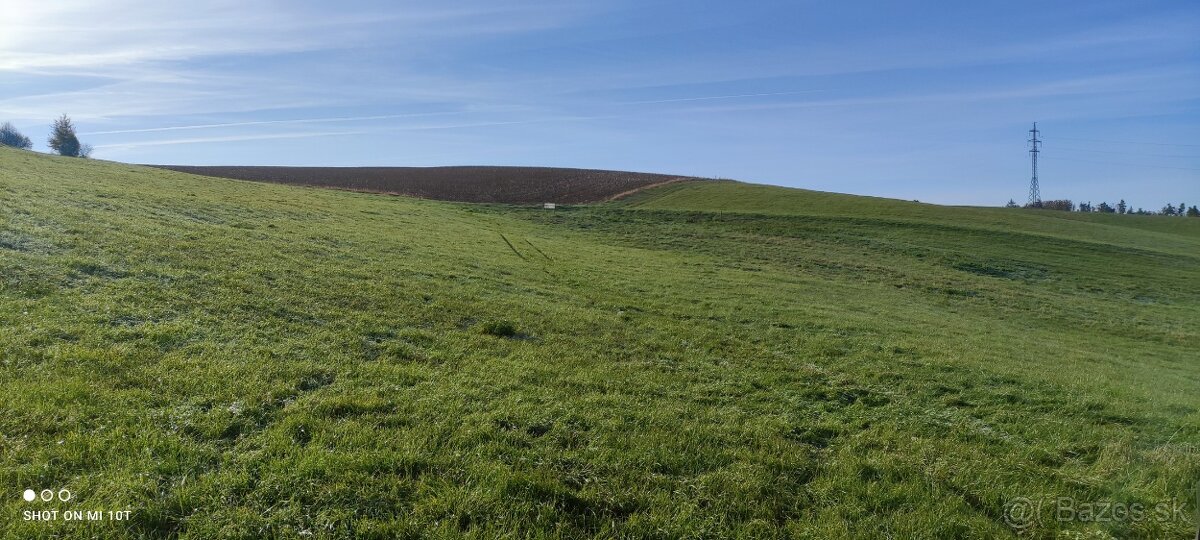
(1168,210)
(1105,208)
(1193,211)
(9,136)
(1085,207)
(1122,207)
(1012,204)
(63,139)
(1182,210)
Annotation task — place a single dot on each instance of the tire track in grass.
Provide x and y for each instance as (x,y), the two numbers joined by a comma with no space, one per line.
(538,250)
(513,248)
(627,193)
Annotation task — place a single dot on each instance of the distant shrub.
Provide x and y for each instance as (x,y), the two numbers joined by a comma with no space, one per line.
(9,136)
(1063,205)
(1193,211)
(501,328)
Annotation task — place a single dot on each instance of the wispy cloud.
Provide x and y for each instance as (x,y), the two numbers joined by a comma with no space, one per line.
(275,122)
(182,92)
(92,35)
(148,58)
(1115,83)
(226,138)
(316,134)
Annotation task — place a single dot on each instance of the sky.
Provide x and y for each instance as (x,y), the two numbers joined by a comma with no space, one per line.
(912,100)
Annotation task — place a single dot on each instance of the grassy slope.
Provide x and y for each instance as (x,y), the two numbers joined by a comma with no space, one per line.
(1180,236)
(245,360)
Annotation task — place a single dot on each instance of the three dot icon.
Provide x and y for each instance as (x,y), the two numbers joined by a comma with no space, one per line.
(47,495)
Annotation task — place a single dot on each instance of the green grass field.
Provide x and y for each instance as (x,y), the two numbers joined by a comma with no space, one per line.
(230,359)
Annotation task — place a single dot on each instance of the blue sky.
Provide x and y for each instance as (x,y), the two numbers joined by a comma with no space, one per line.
(913,100)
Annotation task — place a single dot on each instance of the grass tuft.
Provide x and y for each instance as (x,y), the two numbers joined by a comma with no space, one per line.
(499,328)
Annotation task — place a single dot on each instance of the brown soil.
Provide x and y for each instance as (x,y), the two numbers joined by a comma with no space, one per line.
(514,185)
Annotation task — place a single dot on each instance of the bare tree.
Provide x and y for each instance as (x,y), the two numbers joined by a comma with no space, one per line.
(9,136)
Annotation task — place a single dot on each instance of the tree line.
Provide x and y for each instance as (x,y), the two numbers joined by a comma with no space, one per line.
(62,140)
(1121,207)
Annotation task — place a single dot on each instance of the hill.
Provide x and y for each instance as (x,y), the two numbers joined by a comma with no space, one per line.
(1180,236)
(245,360)
(514,185)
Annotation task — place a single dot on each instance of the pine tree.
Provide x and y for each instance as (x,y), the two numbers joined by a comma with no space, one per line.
(63,139)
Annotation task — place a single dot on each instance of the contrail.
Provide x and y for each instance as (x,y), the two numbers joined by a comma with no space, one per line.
(490,124)
(706,98)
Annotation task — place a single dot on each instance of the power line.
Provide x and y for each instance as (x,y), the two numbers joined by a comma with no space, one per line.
(1126,142)
(1126,153)
(1127,164)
